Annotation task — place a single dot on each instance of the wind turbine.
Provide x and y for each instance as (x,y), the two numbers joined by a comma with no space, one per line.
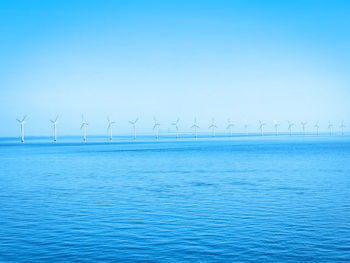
(176,124)
(213,127)
(317,128)
(83,126)
(110,128)
(195,127)
(303,123)
(342,126)
(54,123)
(229,126)
(330,126)
(22,127)
(290,125)
(246,128)
(276,127)
(156,128)
(261,127)
(133,123)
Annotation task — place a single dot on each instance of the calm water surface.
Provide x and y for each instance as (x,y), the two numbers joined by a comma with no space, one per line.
(223,200)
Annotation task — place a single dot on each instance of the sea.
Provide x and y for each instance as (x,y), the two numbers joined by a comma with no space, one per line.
(223,199)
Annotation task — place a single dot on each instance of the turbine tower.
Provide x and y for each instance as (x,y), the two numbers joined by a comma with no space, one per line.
(317,128)
(195,127)
(246,128)
(290,125)
(54,123)
(133,123)
(83,126)
(276,127)
(22,127)
(330,126)
(303,123)
(229,126)
(261,127)
(212,127)
(176,124)
(156,128)
(110,128)
(342,126)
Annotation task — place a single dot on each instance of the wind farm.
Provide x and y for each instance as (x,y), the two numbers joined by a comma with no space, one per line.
(241,130)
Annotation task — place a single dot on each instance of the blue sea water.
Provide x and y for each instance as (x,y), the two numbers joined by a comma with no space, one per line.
(255,199)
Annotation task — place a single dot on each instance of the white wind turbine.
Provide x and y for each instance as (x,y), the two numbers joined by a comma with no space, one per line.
(246,128)
(83,126)
(317,127)
(110,128)
(213,127)
(290,125)
(195,127)
(176,124)
(22,127)
(303,124)
(229,126)
(133,123)
(261,127)
(276,124)
(156,128)
(342,126)
(330,127)
(54,123)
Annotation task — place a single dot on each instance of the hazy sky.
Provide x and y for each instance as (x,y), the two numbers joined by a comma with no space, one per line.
(126,59)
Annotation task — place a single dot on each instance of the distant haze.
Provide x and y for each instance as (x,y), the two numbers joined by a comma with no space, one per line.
(244,60)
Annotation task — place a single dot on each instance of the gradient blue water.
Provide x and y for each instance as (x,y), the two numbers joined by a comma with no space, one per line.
(226,200)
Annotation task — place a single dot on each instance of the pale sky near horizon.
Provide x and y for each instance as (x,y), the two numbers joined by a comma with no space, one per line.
(244,60)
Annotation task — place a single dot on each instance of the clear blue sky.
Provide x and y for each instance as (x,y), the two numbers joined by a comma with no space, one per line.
(126,59)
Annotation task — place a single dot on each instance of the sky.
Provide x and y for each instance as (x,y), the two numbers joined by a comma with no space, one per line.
(238,59)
